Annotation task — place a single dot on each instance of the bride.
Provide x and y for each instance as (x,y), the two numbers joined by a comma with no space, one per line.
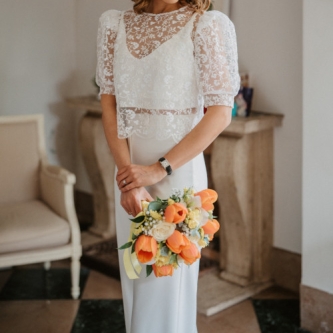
(158,66)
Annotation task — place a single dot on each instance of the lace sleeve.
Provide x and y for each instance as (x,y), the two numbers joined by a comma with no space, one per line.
(106,36)
(217,59)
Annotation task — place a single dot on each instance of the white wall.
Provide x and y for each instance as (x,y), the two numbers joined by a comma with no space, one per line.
(269,35)
(318,145)
(37,67)
(88,13)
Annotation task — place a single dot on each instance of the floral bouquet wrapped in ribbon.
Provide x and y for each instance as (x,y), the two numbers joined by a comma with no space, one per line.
(169,232)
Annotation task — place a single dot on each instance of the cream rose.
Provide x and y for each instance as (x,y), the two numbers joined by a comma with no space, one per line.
(162,230)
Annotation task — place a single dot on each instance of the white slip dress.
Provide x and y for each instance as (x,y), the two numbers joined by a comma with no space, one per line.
(161,87)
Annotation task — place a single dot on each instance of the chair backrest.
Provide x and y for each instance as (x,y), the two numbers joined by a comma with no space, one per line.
(22,150)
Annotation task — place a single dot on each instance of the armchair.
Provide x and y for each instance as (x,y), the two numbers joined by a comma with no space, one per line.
(38,222)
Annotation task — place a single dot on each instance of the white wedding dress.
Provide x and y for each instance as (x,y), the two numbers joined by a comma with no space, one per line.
(163,69)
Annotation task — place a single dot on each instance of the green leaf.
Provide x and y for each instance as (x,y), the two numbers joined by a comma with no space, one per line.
(133,247)
(125,246)
(155,205)
(164,251)
(164,206)
(138,219)
(173,259)
(134,237)
(149,269)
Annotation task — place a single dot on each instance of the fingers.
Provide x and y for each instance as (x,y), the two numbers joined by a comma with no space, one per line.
(131,201)
(149,197)
(130,186)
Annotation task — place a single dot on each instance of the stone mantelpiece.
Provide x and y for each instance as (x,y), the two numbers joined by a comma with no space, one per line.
(242,166)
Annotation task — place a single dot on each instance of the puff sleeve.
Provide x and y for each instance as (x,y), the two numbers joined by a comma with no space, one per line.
(106,37)
(215,49)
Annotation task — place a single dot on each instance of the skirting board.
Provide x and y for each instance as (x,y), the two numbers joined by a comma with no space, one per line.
(286,269)
(215,294)
(316,310)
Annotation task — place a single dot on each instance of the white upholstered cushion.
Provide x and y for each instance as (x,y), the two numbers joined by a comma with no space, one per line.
(31,225)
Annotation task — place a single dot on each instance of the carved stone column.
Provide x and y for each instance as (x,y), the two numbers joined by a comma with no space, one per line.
(242,172)
(99,164)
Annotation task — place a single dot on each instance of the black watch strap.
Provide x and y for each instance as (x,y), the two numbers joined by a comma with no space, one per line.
(166,165)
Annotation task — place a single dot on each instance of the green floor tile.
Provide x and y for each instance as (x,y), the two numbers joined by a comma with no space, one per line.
(36,284)
(100,316)
(278,316)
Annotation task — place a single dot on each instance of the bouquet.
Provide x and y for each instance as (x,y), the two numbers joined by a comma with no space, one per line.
(168,232)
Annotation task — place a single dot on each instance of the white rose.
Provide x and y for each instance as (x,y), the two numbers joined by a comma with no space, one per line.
(194,202)
(162,230)
(204,217)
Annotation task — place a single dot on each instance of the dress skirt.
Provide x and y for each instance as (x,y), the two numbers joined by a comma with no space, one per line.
(165,304)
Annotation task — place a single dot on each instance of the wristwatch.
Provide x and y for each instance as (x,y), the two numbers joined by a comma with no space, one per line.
(166,165)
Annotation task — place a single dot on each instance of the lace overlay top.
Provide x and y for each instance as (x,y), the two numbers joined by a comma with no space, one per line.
(163,68)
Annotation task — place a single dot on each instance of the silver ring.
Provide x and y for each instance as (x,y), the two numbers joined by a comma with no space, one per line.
(124,182)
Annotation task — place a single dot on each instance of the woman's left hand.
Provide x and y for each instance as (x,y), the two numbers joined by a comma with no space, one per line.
(133,175)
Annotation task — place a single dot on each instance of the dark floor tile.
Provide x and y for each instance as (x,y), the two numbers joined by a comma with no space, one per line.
(100,316)
(36,284)
(4,276)
(278,316)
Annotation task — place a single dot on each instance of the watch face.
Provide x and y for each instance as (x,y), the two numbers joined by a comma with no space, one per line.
(165,164)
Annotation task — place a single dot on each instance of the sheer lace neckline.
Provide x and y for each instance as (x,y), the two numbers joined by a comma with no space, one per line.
(179,10)
(146,32)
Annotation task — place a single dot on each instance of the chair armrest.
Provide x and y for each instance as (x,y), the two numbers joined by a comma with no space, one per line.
(57,192)
(59,173)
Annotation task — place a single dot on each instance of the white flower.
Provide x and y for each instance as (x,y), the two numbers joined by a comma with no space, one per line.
(162,230)
(204,217)
(194,202)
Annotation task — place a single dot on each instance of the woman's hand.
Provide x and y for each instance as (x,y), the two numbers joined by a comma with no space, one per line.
(133,176)
(131,200)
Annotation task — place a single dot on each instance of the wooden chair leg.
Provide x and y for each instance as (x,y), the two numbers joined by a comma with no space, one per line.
(75,273)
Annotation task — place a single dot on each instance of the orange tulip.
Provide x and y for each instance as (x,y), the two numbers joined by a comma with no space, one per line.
(208,197)
(145,248)
(164,270)
(211,227)
(177,241)
(175,213)
(190,253)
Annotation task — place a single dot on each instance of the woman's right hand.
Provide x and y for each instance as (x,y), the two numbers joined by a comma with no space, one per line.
(131,200)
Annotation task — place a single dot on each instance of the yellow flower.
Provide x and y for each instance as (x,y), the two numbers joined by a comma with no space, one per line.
(192,224)
(137,231)
(144,204)
(193,218)
(161,260)
(201,232)
(202,243)
(155,215)
(170,202)
(175,265)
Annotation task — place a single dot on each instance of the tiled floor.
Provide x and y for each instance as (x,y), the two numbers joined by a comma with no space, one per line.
(36,301)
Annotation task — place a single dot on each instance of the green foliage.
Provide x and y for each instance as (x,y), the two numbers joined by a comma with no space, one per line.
(149,269)
(173,259)
(164,251)
(155,205)
(125,246)
(138,219)
(133,247)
